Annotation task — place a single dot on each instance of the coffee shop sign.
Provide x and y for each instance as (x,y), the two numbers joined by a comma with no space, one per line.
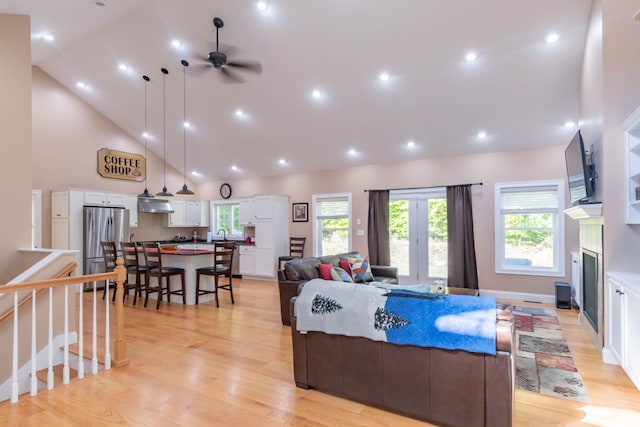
(121,165)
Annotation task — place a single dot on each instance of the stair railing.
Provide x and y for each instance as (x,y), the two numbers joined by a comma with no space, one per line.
(120,351)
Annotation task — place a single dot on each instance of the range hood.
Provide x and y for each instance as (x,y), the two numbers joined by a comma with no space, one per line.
(154,206)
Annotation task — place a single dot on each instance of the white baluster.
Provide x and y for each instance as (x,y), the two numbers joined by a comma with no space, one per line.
(80,335)
(50,377)
(65,369)
(107,350)
(14,384)
(94,332)
(34,378)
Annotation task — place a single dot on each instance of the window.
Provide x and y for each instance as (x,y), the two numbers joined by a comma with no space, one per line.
(530,228)
(331,224)
(227,217)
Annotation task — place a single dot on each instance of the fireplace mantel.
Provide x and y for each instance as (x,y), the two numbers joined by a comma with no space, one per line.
(591,210)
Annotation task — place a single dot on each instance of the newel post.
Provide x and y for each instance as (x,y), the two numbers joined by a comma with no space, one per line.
(120,345)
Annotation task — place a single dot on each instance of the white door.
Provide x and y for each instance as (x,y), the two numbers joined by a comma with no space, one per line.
(418,234)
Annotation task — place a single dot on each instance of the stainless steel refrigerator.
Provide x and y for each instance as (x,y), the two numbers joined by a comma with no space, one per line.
(102,224)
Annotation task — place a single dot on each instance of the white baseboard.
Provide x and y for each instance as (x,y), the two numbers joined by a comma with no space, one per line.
(518,296)
(609,357)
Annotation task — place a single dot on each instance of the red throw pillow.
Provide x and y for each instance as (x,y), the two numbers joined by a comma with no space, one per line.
(325,271)
(346,266)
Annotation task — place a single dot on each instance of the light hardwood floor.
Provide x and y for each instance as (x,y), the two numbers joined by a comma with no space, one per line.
(231,366)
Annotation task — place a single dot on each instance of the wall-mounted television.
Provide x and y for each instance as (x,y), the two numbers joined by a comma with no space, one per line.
(580,171)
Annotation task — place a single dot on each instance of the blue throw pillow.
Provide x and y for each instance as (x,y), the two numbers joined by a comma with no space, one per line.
(338,274)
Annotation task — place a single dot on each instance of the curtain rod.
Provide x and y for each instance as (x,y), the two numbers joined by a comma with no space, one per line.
(422,188)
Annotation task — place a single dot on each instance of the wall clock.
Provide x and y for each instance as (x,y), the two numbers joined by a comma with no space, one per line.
(225,191)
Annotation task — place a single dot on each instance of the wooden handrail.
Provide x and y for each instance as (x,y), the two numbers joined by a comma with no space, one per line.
(62,273)
(118,275)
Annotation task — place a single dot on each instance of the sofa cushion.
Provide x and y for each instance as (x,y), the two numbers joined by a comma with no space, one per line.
(340,275)
(325,271)
(360,270)
(330,259)
(302,269)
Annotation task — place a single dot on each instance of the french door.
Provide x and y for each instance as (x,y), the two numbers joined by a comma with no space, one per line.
(418,234)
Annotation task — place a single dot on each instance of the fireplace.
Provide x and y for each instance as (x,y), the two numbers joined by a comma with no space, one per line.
(589,289)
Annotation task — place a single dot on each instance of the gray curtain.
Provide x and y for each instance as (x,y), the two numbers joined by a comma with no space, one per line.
(463,272)
(378,228)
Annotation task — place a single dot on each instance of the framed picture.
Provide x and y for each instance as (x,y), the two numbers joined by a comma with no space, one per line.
(300,212)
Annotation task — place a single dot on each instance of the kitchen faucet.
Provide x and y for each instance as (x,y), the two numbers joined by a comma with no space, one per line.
(224,233)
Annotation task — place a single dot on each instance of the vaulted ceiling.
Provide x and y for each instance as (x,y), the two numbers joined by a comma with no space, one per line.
(521,90)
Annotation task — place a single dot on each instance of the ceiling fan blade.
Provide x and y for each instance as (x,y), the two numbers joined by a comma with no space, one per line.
(230,77)
(254,67)
(199,69)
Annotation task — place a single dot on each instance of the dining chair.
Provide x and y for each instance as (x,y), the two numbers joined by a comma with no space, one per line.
(110,254)
(153,260)
(296,250)
(132,264)
(222,267)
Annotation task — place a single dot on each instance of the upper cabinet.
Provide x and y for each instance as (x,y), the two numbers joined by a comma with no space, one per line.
(189,213)
(632,130)
(246,212)
(108,199)
(60,204)
(263,207)
(131,203)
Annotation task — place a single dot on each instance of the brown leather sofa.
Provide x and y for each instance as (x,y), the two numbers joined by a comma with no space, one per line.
(301,270)
(449,388)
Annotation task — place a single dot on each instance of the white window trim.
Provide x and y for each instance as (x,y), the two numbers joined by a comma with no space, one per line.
(559,237)
(213,220)
(37,219)
(314,200)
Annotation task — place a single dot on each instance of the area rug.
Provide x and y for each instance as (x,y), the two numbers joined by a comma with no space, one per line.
(544,363)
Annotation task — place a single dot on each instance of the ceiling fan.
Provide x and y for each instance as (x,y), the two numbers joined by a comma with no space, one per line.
(218,60)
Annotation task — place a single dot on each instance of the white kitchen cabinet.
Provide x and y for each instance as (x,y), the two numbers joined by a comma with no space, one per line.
(622,338)
(632,178)
(265,262)
(247,259)
(197,213)
(246,214)
(59,204)
(101,198)
(179,217)
(131,203)
(264,207)
(265,233)
(60,233)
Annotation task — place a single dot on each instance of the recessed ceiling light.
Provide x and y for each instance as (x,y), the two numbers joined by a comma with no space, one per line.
(411,144)
(81,85)
(123,67)
(176,43)
(384,77)
(196,173)
(262,5)
(316,94)
(234,168)
(145,135)
(282,161)
(569,124)
(552,38)
(353,152)
(239,113)
(482,134)
(186,125)
(471,56)
(48,37)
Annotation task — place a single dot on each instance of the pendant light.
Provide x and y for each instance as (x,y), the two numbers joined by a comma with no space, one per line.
(164,191)
(185,189)
(145,194)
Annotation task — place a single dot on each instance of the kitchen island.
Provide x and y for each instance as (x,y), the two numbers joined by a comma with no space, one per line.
(190,257)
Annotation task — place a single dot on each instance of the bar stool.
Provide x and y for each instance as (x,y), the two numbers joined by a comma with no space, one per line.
(296,250)
(153,260)
(109,253)
(131,263)
(222,267)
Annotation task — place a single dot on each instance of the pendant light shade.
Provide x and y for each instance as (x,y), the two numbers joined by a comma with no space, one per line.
(185,189)
(145,193)
(164,191)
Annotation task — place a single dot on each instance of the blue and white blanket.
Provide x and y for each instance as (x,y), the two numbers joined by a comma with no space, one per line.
(398,316)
